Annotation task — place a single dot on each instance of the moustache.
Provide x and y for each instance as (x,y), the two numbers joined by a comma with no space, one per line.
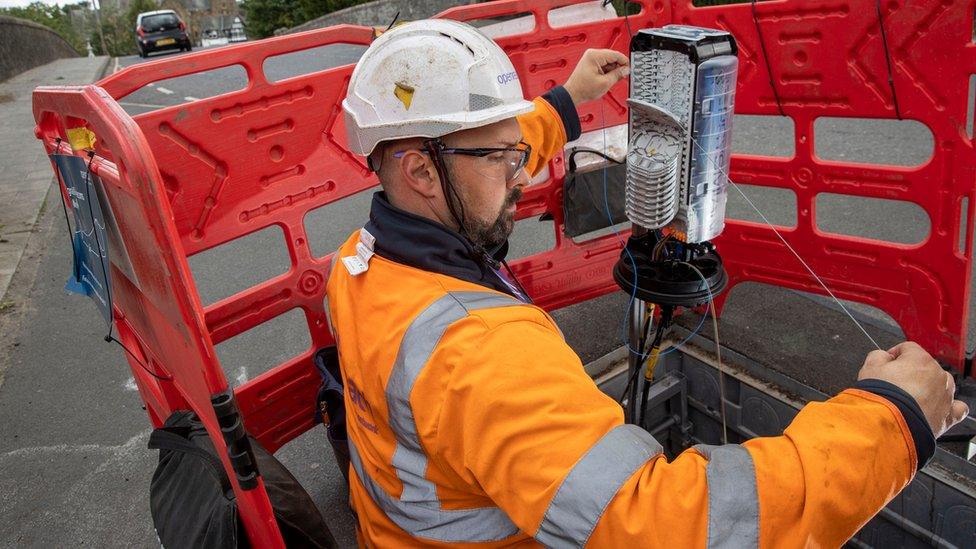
(514,197)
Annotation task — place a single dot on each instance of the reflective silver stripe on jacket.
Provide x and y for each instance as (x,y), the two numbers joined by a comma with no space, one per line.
(325,297)
(733,499)
(592,482)
(428,520)
(418,509)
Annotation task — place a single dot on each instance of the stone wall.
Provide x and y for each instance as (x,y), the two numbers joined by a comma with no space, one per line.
(379,13)
(25,45)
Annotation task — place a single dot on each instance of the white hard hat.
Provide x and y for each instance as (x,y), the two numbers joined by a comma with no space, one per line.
(428,79)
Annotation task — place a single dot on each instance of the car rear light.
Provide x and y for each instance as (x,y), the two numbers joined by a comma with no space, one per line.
(140,32)
(182,26)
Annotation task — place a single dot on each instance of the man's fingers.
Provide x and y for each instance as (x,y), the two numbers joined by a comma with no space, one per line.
(617,75)
(596,73)
(620,58)
(903,347)
(877,358)
(913,353)
(957,412)
(613,69)
(605,57)
(609,67)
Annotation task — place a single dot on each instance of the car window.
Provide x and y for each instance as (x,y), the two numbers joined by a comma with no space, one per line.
(160,22)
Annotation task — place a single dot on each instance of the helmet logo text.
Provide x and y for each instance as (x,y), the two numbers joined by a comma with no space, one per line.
(507,77)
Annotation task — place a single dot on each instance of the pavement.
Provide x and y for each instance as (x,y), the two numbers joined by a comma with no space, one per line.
(25,171)
(74,469)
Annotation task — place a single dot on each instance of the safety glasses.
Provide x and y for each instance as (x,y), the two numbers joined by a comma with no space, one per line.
(498,163)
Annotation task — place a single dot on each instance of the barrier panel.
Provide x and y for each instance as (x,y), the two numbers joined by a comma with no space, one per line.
(190,178)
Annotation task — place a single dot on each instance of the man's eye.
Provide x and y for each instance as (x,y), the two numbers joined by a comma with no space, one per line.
(497,156)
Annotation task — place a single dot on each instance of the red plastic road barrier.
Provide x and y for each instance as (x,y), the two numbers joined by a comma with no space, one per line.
(192,177)
(827,59)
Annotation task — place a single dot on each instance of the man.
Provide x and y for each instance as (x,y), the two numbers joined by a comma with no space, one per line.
(471,420)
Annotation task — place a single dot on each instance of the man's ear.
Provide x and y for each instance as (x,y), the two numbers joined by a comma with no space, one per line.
(417,171)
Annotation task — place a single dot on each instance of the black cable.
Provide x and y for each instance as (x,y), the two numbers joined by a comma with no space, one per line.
(626,16)
(884,41)
(642,355)
(432,146)
(571,162)
(641,408)
(454,203)
(102,259)
(769,70)
(71,235)
(666,314)
(109,338)
(632,401)
(630,33)
(631,386)
(395,17)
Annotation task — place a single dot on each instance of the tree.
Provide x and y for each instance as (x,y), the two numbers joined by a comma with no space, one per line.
(118,28)
(310,9)
(266,16)
(55,18)
(139,6)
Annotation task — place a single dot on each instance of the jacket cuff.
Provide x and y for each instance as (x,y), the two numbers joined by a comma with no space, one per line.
(560,100)
(910,410)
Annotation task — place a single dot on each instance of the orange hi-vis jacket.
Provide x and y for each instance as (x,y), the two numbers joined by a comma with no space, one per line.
(472,423)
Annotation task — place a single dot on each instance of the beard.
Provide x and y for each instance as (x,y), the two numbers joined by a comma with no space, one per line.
(491,236)
(488,234)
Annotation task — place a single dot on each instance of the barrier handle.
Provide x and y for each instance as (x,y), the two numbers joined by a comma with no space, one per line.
(509,7)
(502,8)
(239,450)
(250,55)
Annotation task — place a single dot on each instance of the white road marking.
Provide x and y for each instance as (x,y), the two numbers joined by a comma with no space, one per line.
(167,91)
(151,84)
(116,68)
(120,459)
(131,444)
(241,376)
(144,105)
(130,385)
(191,98)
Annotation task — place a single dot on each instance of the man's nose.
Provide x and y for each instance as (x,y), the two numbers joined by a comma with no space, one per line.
(521,180)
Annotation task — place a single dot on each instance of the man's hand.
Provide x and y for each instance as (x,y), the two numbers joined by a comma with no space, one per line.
(596,72)
(914,371)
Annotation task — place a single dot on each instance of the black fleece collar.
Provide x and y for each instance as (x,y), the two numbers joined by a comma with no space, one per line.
(418,242)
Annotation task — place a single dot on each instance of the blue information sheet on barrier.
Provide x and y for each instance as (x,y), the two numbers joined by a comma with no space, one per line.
(90,274)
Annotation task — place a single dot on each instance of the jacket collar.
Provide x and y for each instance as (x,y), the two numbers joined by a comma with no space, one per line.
(415,241)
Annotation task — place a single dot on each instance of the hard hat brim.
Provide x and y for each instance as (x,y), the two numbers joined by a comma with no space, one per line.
(440,126)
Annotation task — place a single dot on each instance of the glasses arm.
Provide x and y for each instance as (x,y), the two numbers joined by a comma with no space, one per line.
(476,151)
